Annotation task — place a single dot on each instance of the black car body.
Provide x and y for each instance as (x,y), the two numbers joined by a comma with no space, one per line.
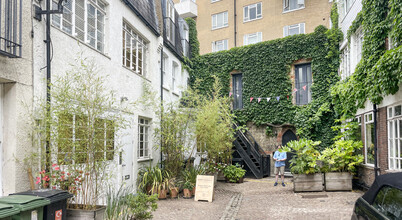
(382,201)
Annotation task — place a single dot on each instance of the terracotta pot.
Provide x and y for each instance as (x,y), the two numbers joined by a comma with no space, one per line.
(186,193)
(174,193)
(193,191)
(162,194)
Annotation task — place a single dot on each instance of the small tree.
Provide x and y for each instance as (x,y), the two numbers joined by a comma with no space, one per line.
(213,126)
(80,126)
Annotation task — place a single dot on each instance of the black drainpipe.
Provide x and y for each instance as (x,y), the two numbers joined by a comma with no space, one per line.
(48,80)
(375,141)
(161,100)
(235,17)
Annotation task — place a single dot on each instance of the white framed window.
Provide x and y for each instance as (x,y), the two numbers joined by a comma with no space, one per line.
(175,73)
(252,38)
(144,126)
(395,137)
(359,45)
(220,20)
(344,7)
(170,22)
(75,129)
(291,5)
(252,12)
(83,19)
(219,45)
(134,50)
(345,63)
(369,138)
(294,29)
(165,65)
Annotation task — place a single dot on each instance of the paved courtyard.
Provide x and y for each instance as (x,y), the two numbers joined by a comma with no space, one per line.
(259,199)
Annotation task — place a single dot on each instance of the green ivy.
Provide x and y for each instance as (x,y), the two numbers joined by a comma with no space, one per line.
(192,35)
(266,66)
(378,72)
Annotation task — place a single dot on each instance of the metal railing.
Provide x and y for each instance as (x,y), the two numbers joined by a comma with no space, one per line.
(10,28)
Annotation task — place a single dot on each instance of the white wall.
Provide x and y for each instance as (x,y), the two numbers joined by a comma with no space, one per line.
(125,82)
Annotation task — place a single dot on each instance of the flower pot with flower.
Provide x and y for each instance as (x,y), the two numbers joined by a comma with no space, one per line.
(234,173)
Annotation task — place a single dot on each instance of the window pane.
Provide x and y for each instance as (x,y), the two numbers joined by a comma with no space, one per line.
(390,113)
(253,13)
(397,110)
(91,25)
(259,10)
(80,20)
(369,143)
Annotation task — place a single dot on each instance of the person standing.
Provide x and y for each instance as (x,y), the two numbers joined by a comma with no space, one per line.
(280,158)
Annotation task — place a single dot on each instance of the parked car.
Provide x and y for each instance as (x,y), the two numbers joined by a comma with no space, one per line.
(382,201)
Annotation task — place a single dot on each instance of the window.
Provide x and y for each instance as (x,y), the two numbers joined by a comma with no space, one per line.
(369,138)
(75,130)
(175,69)
(293,29)
(303,82)
(358,132)
(358,45)
(252,12)
(388,201)
(219,45)
(164,68)
(143,138)
(134,50)
(170,22)
(237,84)
(345,63)
(395,137)
(220,20)
(290,5)
(84,19)
(252,38)
(344,7)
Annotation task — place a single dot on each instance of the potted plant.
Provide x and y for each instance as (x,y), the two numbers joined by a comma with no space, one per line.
(339,164)
(304,167)
(187,188)
(234,173)
(173,189)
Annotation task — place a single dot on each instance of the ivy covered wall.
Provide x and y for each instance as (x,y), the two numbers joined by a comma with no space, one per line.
(266,69)
(379,73)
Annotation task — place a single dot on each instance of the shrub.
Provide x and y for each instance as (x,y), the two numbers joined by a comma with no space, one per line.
(141,206)
(234,173)
(305,156)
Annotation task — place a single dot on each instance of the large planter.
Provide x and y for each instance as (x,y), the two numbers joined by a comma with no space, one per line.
(308,182)
(338,181)
(80,214)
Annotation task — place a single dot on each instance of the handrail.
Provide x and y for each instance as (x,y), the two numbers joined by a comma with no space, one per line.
(256,145)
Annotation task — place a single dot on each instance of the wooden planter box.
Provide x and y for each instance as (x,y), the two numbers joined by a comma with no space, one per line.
(79,214)
(308,183)
(338,181)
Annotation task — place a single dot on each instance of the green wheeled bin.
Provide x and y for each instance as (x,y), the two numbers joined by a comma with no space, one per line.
(8,211)
(30,207)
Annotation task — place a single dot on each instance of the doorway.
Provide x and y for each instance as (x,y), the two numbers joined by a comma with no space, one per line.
(287,137)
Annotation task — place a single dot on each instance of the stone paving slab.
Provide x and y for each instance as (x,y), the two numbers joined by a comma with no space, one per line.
(259,199)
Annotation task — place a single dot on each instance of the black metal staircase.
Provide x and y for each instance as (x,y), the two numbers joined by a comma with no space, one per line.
(249,153)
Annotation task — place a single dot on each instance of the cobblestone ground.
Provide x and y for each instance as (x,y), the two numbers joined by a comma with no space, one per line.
(259,199)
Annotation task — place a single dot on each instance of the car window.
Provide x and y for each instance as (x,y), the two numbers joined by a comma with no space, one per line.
(389,202)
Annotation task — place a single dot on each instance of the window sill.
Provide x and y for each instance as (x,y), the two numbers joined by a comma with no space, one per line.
(144,159)
(252,20)
(140,75)
(81,42)
(285,12)
(368,166)
(393,171)
(220,27)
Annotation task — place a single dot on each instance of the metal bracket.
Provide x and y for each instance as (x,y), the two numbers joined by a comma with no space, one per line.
(39,12)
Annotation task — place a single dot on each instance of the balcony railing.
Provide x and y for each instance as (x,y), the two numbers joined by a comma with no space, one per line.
(10,28)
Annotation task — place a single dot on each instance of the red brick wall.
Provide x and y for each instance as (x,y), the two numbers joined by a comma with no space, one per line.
(382,142)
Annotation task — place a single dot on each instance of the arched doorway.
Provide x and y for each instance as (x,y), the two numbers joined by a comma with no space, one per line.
(286,137)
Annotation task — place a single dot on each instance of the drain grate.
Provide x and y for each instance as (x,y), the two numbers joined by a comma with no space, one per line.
(314,196)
